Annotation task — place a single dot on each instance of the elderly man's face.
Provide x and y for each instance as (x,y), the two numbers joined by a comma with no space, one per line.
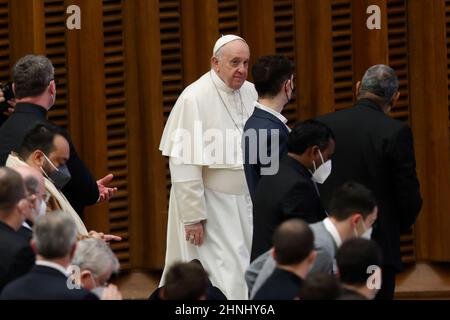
(232,63)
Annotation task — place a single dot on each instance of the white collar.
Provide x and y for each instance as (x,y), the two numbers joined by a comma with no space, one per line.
(331,228)
(52,265)
(271,111)
(26,225)
(219,83)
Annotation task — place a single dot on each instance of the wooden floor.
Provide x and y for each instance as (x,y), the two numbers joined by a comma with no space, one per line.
(424,281)
(419,281)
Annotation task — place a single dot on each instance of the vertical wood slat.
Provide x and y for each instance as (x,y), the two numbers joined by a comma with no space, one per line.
(5,49)
(149,219)
(370,46)
(229,16)
(428,93)
(284,38)
(199,32)
(91,72)
(172,60)
(398,54)
(29,37)
(55,50)
(259,33)
(398,60)
(116,124)
(314,58)
(341,11)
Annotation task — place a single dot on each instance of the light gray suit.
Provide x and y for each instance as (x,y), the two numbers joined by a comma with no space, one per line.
(263,266)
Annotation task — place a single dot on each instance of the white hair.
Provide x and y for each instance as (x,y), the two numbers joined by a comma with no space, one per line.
(96,256)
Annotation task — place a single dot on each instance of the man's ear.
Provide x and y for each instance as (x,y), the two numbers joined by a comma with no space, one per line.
(52,87)
(215,63)
(312,257)
(274,254)
(395,98)
(355,218)
(85,276)
(358,88)
(72,251)
(14,88)
(38,158)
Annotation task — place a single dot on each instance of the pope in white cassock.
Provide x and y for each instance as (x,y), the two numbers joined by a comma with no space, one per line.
(210,210)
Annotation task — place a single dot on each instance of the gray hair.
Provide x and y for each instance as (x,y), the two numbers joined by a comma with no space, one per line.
(380,80)
(54,235)
(32,185)
(95,255)
(32,75)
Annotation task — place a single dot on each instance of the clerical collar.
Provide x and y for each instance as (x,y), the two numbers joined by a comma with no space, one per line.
(220,84)
(271,111)
(331,228)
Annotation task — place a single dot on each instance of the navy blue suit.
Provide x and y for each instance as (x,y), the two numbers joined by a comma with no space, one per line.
(44,283)
(262,120)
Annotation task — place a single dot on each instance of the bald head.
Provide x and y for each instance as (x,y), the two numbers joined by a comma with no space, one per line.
(230,63)
(293,242)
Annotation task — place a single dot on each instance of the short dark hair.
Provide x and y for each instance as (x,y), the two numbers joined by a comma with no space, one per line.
(32,75)
(12,189)
(320,286)
(41,136)
(269,74)
(293,242)
(308,134)
(186,281)
(352,197)
(353,259)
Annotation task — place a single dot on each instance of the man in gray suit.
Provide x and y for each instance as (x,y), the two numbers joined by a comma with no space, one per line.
(353,213)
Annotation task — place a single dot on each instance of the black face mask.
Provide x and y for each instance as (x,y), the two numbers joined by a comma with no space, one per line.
(59,176)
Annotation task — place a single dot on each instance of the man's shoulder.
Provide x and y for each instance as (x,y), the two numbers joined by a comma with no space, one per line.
(11,241)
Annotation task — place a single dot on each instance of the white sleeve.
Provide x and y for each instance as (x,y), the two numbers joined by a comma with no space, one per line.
(187,185)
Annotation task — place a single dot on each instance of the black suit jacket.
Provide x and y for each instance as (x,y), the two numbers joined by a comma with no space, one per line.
(277,130)
(281,285)
(377,151)
(82,189)
(44,283)
(26,233)
(288,194)
(16,255)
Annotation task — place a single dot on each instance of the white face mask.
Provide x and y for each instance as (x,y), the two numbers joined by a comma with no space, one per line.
(41,211)
(323,172)
(367,233)
(42,208)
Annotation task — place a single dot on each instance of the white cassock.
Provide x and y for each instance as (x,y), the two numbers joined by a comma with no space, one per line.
(209,182)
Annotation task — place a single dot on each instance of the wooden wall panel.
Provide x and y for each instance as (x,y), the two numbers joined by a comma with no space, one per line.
(428,95)
(229,17)
(55,50)
(284,27)
(114,94)
(116,124)
(341,11)
(398,60)
(314,58)
(5,55)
